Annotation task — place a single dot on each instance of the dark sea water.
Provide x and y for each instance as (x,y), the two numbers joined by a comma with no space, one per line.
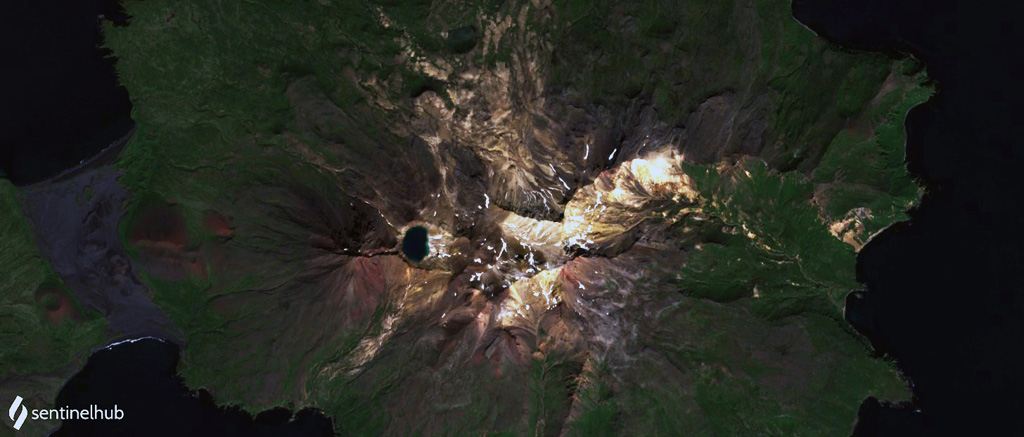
(945,291)
(61,104)
(140,378)
(60,101)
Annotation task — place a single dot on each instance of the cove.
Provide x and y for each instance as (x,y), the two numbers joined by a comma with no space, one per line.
(141,378)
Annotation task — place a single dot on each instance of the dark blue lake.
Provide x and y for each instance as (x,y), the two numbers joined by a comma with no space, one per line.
(415,243)
(943,291)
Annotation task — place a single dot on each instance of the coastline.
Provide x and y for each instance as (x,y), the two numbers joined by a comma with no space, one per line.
(108,155)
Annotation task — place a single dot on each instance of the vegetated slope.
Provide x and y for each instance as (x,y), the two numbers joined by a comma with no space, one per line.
(46,333)
(642,218)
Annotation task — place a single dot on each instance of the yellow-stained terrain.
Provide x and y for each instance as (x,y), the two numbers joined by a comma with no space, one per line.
(642,219)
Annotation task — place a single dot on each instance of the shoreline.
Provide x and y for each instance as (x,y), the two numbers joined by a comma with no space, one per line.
(107,155)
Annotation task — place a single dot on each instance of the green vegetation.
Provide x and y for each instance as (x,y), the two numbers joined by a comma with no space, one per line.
(599,413)
(264,110)
(47,334)
(865,169)
(552,380)
(681,54)
(763,289)
(32,342)
(795,262)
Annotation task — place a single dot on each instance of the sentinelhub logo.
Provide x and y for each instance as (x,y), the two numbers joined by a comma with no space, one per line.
(93,412)
(14,409)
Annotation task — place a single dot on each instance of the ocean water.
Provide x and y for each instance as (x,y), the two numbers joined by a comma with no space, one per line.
(943,290)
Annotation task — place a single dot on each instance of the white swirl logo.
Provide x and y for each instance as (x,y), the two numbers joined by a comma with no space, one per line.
(14,409)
